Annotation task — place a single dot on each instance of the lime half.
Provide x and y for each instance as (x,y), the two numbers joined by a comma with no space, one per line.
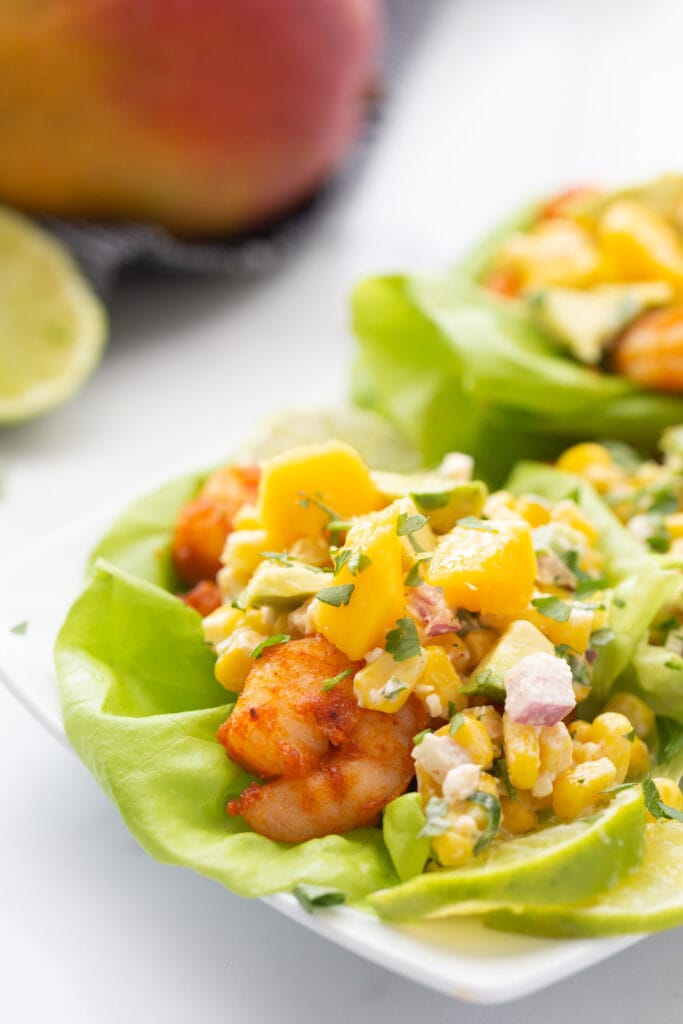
(52,327)
(650,900)
(559,864)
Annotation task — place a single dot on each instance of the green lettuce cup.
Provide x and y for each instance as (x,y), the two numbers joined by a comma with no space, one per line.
(459,367)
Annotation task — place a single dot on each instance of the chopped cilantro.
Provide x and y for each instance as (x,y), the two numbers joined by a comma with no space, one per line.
(553,608)
(436,813)
(282,558)
(630,736)
(456,721)
(419,736)
(657,808)
(270,641)
(393,688)
(602,637)
(403,642)
(576,663)
(329,684)
(314,897)
(491,805)
(674,663)
(587,587)
(407,525)
(336,596)
(500,770)
(19,629)
(472,523)
(413,578)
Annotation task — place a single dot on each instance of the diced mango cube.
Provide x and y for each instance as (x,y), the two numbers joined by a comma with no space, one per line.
(639,244)
(296,484)
(488,570)
(377,599)
(234,662)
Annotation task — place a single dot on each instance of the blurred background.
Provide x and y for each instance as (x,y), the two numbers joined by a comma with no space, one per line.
(479,105)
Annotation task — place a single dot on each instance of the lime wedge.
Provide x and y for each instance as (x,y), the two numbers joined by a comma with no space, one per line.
(650,900)
(559,864)
(380,444)
(52,327)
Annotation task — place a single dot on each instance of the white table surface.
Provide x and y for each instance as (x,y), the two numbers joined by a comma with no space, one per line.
(505,98)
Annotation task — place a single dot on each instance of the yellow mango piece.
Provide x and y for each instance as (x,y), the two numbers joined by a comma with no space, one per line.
(639,244)
(575,632)
(486,570)
(295,484)
(555,251)
(377,599)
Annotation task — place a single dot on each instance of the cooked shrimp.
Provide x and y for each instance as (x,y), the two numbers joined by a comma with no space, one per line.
(650,351)
(333,764)
(204,597)
(203,524)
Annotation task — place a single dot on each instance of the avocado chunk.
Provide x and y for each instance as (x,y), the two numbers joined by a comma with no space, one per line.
(585,322)
(519,639)
(282,587)
(443,500)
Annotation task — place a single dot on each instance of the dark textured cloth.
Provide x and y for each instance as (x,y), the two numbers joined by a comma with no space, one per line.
(103,250)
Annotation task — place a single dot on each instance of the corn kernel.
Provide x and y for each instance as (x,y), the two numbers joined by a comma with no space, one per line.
(453,848)
(219,624)
(474,738)
(517,818)
(386,684)
(535,510)
(441,682)
(581,458)
(501,505)
(636,710)
(611,730)
(234,664)
(577,789)
(492,722)
(580,730)
(569,512)
(669,793)
(242,553)
(522,752)
(674,524)
(639,762)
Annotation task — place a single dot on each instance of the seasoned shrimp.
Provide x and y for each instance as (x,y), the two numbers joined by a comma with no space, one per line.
(203,524)
(333,764)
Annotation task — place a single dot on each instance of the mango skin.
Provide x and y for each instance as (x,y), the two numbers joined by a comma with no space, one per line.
(205,116)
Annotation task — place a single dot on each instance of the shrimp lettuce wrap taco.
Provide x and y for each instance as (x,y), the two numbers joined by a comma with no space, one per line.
(566,323)
(312,668)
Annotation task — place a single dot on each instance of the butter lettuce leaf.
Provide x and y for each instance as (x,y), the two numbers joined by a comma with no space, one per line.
(141,708)
(458,368)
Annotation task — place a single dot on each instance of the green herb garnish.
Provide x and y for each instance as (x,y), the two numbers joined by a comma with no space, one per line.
(553,608)
(491,805)
(472,523)
(436,813)
(270,641)
(403,642)
(407,525)
(315,897)
(329,684)
(500,770)
(657,808)
(456,721)
(20,628)
(336,596)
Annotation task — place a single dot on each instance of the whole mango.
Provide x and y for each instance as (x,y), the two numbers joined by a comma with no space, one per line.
(205,116)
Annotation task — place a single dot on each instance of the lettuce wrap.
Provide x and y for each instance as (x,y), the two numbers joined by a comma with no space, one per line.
(457,367)
(141,704)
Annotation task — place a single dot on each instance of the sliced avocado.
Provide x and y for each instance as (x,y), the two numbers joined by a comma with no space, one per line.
(442,499)
(282,587)
(585,322)
(519,639)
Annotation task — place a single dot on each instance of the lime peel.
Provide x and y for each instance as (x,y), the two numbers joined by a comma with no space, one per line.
(560,864)
(52,326)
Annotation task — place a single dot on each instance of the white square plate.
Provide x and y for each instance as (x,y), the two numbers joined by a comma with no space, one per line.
(460,957)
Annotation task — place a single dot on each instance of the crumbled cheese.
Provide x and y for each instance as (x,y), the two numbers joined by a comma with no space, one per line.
(373,655)
(461,782)
(436,755)
(301,620)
